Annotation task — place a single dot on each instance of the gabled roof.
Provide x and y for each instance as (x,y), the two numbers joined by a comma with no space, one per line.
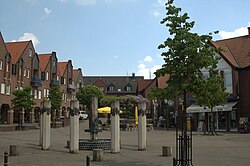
(62,67)
(236,50)
(16,49)
(119,82)
(162,81)
(44,60)
(2,43)
(143,84)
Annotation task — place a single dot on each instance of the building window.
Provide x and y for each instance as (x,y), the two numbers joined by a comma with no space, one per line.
(7,67)
(47,92)
(21,88)
(64,81)
(24,72)
(1,64)
(101,88)
(35,94)
(44,92)
(28,73)
(128,88)
(8,89)
(30,52)
(111,88)
(57,78)
(20,71)
(47,75)
(2,88)
(39,94)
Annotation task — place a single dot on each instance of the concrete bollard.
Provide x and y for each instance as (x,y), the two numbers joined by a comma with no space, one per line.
(166,151)
(97,154)
(14,150)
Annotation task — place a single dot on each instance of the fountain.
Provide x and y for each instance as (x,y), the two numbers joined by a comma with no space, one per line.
(94,142)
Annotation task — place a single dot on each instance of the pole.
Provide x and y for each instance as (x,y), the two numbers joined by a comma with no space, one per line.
(87,161)
(6,161)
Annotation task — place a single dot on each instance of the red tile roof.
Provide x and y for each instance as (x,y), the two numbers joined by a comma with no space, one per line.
(142,84)
(44,60)
(16,49)
(162,81)
(61,67)
(236,50)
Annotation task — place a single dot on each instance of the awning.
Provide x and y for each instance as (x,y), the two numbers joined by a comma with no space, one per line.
(196,108)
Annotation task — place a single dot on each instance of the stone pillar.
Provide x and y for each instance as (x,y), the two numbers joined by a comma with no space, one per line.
(115,127)
(93,119)
(46,118)
(32,117)
(41,127)
(74,126)
(10,116)
(142,126)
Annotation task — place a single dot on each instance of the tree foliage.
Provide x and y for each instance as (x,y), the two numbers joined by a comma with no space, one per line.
(23,99)
(87,92)
(185,53)
(106,100)
(55,96)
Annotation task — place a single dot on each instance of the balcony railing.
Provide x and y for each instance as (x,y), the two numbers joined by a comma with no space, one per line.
(54,82)
(71,88)
(36,81)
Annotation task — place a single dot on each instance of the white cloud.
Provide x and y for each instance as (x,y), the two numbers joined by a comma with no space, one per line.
(237,32)
(148,59)
(156,13)
(147,72)
(161,2)
(115,56)
(29,36)
(85,2)
(47,10)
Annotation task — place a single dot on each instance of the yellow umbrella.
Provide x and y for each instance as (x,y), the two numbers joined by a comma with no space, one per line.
(104,110)
(136,115)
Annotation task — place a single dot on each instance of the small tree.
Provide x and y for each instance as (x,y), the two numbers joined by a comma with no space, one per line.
(55,96)
(87,92)
(209,93)
(23,100)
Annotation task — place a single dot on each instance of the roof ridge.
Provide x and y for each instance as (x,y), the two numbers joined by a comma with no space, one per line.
(231,38)
(12,42)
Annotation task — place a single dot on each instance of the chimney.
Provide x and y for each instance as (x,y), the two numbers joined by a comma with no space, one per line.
(248,28)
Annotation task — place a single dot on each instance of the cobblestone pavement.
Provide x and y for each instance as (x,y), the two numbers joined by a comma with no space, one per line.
(227,149)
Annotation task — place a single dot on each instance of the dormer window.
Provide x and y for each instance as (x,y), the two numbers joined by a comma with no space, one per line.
(128,87)
(111,88)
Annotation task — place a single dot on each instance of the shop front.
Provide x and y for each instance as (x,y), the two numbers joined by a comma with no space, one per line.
(225,116)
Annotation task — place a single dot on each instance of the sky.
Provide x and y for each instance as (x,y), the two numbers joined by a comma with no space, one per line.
(113,37)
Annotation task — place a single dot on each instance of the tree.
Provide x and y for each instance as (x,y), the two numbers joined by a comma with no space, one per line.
(106,100)
(87,92)
(23,100)
(55,96)
(186,54)
(209,94)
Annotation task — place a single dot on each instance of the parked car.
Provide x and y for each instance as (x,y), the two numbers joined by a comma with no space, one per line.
(83,115)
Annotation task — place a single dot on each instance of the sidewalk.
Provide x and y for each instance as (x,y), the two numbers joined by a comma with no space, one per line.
(228,149)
